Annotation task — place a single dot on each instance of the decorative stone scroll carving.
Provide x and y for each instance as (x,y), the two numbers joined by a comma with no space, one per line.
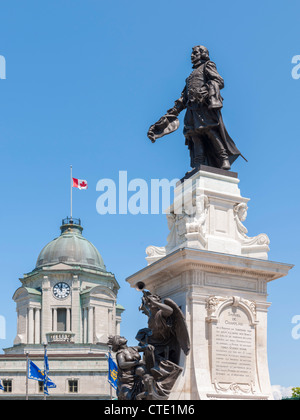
(196,224)
(234,388)
(185,228)
(155,252)
(214,305)
(259,242)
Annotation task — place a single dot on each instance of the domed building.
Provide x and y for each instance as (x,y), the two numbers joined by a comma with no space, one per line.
(71,248)
(68,301)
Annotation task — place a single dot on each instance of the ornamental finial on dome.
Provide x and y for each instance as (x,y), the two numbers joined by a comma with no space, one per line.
(70,224)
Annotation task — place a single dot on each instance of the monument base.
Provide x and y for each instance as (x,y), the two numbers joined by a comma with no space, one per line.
(218,276)
(224,299)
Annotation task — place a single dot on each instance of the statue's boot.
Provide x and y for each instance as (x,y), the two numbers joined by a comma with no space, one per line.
(199,156)
(223,157)
(226,164)
(220,151)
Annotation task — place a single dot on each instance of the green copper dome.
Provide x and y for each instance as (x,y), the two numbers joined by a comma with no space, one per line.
(71,248)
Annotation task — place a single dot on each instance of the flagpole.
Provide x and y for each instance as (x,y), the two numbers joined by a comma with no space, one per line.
(45,347)
(109,350)
(27,367)
(71,191)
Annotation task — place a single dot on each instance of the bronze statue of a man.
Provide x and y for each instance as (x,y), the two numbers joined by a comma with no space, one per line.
(204,130)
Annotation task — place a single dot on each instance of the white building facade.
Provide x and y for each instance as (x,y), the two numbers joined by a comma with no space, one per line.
(69,301)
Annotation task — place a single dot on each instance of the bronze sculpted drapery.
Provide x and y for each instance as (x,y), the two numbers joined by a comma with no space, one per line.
(162,342)
(205,134)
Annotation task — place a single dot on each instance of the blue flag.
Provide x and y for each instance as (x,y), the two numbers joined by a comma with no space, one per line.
(34,372)
(50,384)
(112,372)
(46,372)
(1,387)
(47,381)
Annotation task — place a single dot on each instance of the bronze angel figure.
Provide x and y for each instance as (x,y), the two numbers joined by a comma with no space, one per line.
(154,376)
(167,334)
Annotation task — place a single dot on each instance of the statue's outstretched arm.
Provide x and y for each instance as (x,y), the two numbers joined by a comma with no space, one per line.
(165,310)
(180,104)
(168,122)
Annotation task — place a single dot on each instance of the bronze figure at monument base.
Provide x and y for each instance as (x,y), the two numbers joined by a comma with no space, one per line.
(154,376)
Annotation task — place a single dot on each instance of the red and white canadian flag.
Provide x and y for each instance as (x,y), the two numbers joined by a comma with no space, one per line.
(80,183)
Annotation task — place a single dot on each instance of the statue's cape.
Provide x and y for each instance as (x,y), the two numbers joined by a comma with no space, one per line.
(165,125)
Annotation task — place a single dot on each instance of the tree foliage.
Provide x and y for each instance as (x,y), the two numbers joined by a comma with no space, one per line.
(296,392)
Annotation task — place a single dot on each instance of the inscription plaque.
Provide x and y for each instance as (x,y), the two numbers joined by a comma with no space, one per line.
(233,348)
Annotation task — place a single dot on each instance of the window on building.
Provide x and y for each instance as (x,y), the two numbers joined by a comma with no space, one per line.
(41,386)
(73,386)
(7,385)
(61,319)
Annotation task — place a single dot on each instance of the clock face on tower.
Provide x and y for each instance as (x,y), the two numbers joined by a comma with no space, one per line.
(61,290)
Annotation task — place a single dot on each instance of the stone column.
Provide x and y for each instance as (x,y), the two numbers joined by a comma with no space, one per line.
(90,325)
(54,319)
(85,325)
(76,313)
(110,327)
(68,326)
(30,325)
(118,327)
(114,321)
(46,311)
(37,332)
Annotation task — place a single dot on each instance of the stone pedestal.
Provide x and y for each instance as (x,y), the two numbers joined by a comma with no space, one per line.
(218,276)
(208,213)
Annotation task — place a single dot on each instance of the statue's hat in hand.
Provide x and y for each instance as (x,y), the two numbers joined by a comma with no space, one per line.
(165,125)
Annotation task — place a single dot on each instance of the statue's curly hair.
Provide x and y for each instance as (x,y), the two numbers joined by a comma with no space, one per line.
(204,50)
(114,342)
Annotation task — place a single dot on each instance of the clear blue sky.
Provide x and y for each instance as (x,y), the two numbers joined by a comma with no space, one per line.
(86,78)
